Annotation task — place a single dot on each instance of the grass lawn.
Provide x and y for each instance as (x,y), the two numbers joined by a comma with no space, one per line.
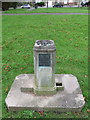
(50,10)
(70,34)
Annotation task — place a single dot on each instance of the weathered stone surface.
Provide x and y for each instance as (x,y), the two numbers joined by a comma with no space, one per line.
(27,85)
(44,46)
(44,67)
(69,99)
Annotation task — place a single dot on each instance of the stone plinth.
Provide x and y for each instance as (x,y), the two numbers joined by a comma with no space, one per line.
(44,65)
(21,96)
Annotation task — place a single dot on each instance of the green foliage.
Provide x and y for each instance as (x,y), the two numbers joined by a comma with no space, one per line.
(7,5)
(14,5)
(41,4)
(31,4)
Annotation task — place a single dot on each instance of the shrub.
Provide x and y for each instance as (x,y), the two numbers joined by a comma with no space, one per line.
(41,4)
(7,5)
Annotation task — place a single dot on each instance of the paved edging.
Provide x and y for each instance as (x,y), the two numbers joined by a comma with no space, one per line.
(45,14)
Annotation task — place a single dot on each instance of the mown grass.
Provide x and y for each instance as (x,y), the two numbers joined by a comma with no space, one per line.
(70,34)
(50,10)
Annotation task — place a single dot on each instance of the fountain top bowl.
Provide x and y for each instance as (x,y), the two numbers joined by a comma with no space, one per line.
(44,45)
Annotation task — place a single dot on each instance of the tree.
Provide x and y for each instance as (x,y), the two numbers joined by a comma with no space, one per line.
(7,5)
(47,4)
(14,5)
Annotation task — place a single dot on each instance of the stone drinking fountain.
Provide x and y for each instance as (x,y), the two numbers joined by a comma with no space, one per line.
(45,90)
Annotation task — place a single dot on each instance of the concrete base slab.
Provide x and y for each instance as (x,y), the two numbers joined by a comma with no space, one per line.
(69,99)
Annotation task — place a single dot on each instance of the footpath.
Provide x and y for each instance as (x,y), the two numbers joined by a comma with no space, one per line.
(45,14)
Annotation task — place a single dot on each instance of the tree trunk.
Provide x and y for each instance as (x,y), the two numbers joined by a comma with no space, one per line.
(47,4)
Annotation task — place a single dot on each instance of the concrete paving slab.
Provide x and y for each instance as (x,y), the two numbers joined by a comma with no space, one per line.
(69,99)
